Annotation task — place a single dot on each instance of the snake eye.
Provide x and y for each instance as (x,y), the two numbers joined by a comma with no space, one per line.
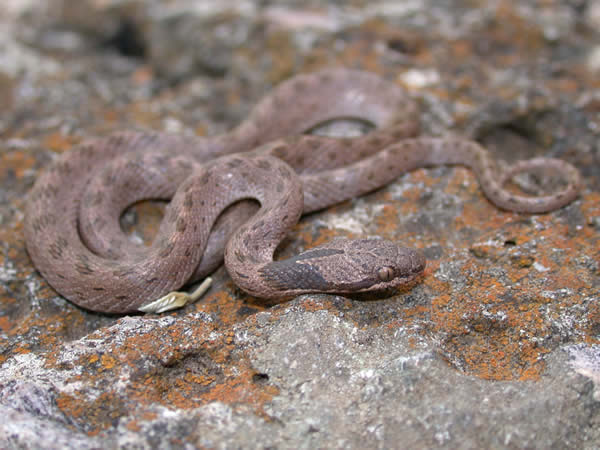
(385,273)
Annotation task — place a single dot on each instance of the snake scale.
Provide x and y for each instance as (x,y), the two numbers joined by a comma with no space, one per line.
(237,195)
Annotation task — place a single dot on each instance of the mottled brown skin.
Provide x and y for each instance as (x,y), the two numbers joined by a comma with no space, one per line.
(73,234)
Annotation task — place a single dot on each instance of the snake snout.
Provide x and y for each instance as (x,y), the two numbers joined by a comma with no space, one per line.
(418,261)
(410,263)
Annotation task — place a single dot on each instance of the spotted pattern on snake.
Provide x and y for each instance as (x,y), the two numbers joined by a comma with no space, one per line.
(237,195)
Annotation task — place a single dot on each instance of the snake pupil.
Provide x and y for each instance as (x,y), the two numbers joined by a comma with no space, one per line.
(385,273)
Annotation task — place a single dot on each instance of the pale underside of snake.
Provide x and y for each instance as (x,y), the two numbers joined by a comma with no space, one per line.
(237,195)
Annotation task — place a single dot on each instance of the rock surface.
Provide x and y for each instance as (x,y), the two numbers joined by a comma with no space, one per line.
(498,346)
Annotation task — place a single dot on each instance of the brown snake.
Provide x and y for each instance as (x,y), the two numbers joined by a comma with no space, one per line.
(72,213)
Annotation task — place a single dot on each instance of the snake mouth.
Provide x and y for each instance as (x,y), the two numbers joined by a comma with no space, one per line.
(389,288)
(390,285)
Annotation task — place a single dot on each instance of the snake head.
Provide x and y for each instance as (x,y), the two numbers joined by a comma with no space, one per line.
(376,264)
(346,266)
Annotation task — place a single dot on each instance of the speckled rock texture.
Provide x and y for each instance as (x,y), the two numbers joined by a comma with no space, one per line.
(498,346)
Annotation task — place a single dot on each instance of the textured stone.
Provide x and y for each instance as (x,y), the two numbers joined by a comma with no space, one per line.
(497,345)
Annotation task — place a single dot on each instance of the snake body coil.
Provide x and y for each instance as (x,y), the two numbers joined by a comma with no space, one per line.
(73,234)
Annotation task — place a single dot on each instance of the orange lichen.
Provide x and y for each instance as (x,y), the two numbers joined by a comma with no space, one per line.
(58,142)
(108,362)
(20,162)
(142,75)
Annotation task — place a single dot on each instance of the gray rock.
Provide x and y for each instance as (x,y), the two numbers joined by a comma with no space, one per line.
(338,385)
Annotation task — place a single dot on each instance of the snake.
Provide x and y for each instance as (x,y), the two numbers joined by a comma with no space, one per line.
(235,196)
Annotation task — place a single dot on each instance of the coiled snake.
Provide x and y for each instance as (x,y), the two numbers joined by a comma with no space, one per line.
(72,213)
